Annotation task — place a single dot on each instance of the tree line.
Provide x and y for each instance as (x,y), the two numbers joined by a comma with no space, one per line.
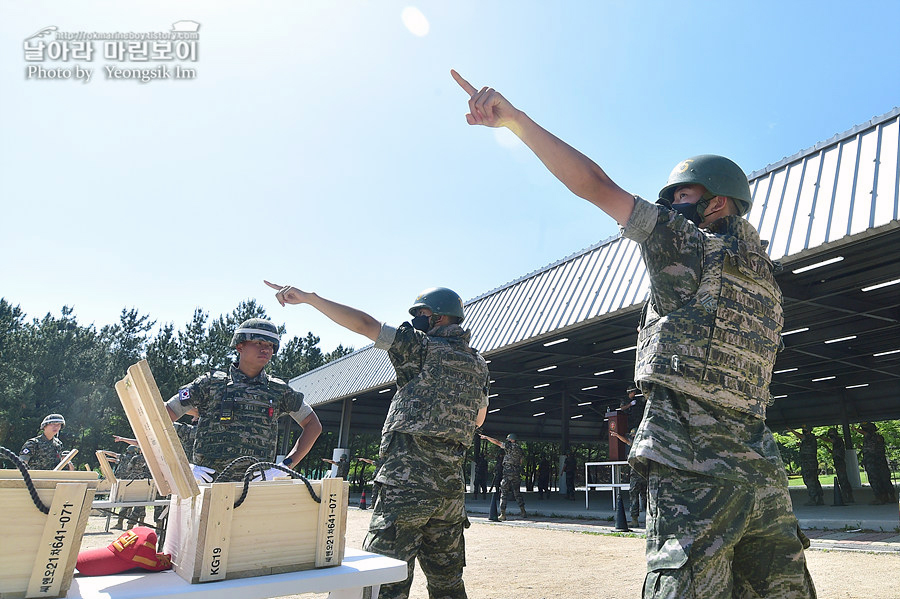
(55,364)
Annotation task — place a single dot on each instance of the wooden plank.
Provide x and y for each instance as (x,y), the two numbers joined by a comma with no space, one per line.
(155,432)
(65,461)
(214,539)
(332,520)
(52,475)
(59,536)
(139,489)
(105,467)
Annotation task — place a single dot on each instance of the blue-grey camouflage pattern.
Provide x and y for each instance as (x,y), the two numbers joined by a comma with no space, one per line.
(712,441)
(697,544)
(809,467)
(41,453)
(448,368)
(238,415)
(419,511)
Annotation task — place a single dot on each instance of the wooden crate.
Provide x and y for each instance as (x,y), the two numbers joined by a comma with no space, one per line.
(37,550)
(278,527)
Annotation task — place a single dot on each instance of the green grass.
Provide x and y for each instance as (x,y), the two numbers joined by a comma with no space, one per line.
(826,479)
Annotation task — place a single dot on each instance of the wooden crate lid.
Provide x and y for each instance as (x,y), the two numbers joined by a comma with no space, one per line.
(146,412)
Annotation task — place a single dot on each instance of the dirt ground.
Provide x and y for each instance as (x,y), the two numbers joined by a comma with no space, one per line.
(531,560)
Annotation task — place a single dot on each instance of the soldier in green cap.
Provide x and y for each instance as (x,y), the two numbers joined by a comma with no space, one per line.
(45,451)
(442,389)
(720,520)
(239,409)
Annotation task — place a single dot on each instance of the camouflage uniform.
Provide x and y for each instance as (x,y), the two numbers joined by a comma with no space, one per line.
(569,466)
(875,463)
(839,457)
(511,483)
(419,506)
(637,489)
(238,415)
(719,517)
(343,468)
(132,466)
(41,453)
(809,467)
(187,433)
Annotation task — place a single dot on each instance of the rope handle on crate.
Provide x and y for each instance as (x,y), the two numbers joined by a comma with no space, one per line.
(261,468)
(27,477)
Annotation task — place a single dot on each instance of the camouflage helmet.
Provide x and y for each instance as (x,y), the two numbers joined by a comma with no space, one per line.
(53,419)
(512,437)
(439,300)
(256,328)
(719,175)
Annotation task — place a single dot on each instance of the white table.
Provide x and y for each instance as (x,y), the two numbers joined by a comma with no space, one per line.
(615,477)
(359,570)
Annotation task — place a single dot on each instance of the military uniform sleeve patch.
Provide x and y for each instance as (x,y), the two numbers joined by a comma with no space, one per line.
(184,394)
(26,450)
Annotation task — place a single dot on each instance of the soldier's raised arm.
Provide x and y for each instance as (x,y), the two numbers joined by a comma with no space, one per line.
(346,316)
(576,171)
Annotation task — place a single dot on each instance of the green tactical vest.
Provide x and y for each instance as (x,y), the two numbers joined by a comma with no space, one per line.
(721,345)
(444,399)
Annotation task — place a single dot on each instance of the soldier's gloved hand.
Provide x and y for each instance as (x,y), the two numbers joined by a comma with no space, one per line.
(202,473)
(269,474)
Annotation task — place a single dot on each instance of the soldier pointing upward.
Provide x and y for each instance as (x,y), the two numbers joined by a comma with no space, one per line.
(442,389)
(719,520)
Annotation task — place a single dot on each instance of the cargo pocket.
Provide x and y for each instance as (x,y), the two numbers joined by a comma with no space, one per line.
(668,570)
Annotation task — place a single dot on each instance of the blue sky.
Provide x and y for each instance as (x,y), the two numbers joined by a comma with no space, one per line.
(324,143)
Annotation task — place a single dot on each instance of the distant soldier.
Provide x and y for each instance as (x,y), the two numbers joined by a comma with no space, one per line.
(839,457)
(570,467)
(511,484)
(45,451)
(481,473)
(875,463)
(543,480)
(343,466)
(637,484)
(239,408)
(131,466)
(809,464)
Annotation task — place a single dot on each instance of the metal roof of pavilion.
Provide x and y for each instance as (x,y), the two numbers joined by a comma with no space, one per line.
(841,194)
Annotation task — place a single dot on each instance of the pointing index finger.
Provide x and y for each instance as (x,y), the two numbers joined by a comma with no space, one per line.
(272,285)
(467,87)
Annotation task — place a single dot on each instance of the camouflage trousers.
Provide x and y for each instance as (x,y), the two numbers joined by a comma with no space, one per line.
(637,493)
(511,485)
(708,537)
(840,468)
(810,472)
(408,524)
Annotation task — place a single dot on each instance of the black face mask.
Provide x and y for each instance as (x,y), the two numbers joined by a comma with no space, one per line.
(692,212)
(422,323)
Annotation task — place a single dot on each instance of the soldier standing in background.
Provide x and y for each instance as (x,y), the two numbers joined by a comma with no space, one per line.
(239,409)
(511,483)
(481,472)
(839,458)
(45,451)
(875,463)
(637,484)
(809,464)
(343,466)
(543,479)
(570,466)
(442,389)
(719,517)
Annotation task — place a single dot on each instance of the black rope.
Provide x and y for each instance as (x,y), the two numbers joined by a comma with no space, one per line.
(261,468)
(221,476)
(24,470)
